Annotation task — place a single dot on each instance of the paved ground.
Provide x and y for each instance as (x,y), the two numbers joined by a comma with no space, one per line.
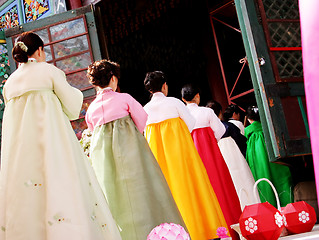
(313,235)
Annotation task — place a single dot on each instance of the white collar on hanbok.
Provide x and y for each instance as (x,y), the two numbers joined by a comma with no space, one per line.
(32,60)
(29,61)
(104,90)
(158,95)
(192,105)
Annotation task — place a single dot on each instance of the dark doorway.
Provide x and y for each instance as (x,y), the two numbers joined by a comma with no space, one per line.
(172,36)
(177,38)
(231,54)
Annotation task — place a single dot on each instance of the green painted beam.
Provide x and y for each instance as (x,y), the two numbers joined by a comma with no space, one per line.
(268,92)
(304,115)
(2,37)
(252,57)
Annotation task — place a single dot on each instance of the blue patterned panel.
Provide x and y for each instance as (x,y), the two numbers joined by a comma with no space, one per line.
(9,17)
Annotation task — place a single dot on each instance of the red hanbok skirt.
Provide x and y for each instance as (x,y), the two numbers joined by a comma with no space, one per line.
(218,174)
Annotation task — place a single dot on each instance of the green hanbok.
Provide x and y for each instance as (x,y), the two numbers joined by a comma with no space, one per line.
(260,166)
(133,183)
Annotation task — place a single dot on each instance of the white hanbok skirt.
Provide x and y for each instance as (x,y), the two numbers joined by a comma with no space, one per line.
(239,171)
(48,189)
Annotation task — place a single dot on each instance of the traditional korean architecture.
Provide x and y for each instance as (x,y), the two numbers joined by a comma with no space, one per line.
(238,51)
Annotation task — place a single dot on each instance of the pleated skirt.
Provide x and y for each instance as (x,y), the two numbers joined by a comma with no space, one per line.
(131,179)
(187,178)
(279,175)
(48,189)
(240,172)
(218,174)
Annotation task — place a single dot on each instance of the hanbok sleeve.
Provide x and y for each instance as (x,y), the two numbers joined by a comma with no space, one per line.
(89,122)
(242,128)
(71,98)
(216,125)
(137,112)
(185,114)
(4,96)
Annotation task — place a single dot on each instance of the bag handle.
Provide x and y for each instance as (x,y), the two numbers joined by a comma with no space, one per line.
(273,188)
(241,191)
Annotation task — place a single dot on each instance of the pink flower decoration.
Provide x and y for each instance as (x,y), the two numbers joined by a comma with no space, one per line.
(222,232)
(168,231)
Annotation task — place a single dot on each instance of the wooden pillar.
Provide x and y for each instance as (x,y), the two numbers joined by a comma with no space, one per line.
(75,4)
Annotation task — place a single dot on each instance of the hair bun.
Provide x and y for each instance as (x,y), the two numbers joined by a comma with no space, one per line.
(20,57)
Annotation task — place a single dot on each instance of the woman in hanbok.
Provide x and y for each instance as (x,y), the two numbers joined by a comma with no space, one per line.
(231,129)
(207,131)
(232,115)
(235,160)
(132,181)
(48,189)
(168,133)
(257,158)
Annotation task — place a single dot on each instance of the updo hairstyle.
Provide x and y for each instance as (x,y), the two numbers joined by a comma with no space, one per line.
(230,110)
(154,81)
(189,91)
(100,72)
(25,45)
(252,113)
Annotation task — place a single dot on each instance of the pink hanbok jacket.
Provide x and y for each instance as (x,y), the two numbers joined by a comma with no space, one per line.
(109,106)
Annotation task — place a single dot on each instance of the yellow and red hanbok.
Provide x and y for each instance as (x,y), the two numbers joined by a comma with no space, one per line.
(207,130)
(168,135)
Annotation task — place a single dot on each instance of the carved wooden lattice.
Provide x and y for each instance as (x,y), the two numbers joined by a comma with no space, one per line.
(283,30)
(289,64)
(283,9)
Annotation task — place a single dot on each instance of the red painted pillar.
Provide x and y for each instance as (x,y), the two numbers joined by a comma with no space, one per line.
(75,4)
